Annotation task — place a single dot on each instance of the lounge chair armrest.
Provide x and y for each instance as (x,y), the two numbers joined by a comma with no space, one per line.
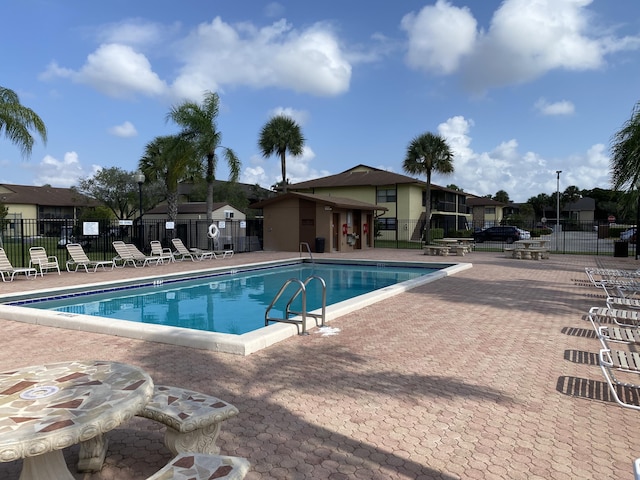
(605,357)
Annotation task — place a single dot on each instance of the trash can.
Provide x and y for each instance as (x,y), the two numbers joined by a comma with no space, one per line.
(319,244)
(620,248)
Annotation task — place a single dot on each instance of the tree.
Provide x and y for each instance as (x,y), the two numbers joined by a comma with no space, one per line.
(625,153)
(19,122)
(199,127)
(115,188)
(425,154)
(4,211)
(502,196)
(539,203)
(169,159)
(280,135)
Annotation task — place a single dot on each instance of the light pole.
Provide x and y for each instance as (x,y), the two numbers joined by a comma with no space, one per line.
(139,179)
(558,172)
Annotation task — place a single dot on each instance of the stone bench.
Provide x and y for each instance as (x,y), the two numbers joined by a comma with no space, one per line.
(198,466)
(513,252)
(460,249)
(539,253)
(436,250)
(192,418)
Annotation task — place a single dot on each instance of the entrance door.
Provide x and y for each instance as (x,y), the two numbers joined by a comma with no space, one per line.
(357,224)
(335,229)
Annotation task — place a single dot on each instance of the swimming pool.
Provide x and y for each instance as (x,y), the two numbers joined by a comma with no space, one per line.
(234,301)
(195,299)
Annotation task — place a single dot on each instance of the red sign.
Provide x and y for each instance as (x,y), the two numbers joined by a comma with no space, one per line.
(611,219)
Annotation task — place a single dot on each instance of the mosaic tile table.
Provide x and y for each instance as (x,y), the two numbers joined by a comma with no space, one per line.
(46,408)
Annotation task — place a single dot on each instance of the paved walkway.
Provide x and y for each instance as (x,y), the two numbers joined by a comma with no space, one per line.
(488,374)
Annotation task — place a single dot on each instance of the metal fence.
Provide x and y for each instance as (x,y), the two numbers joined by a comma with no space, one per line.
(587,238)
(19,235)
(97,238)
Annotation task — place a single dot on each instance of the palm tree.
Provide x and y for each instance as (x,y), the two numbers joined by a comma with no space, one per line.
(428,153)
(625,154)
(168,159)
(199,127)
(281,134)
(18,122)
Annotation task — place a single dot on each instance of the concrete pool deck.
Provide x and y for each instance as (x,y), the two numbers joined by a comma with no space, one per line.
(487,374)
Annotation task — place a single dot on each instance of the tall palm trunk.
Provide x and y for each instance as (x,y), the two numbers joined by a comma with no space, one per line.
(427,210)
(172,208)
(210,178)
(283,165)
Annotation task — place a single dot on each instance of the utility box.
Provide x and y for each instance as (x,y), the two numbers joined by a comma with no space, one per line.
(620,248)
(319,244)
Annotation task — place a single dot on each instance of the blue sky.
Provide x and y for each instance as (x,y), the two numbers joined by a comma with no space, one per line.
(519,88)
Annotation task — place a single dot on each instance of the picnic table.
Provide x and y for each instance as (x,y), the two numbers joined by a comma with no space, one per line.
(46,408)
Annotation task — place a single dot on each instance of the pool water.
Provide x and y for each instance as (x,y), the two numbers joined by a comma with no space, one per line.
(234,301)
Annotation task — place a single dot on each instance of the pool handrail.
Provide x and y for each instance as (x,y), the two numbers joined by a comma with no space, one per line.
(302,288)
(305,244)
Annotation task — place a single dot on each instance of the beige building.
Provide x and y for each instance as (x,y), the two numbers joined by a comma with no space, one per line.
(487,212)
(322,222)
(49,206)
(402,197)
(193,226)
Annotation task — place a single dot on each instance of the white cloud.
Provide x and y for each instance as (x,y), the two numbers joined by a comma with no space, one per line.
(61,173)
(114,69)
(135,32)
(439,36)
(125,130)
(563,107)
(521,174)
(213,56)
(218,54)
(524,41)
(299,116)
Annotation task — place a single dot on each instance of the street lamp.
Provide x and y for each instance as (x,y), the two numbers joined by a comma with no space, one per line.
(139,178)
(558,172)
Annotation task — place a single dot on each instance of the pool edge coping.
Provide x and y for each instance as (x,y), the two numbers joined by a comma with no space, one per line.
(244,344)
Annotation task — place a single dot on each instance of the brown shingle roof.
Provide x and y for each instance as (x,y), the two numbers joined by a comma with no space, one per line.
(337,202)
(46,196)
(361,175)
(483,201)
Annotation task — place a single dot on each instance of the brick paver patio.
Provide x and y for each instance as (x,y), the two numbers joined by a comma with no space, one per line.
(488,374)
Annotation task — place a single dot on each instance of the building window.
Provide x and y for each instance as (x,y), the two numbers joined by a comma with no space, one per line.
(386,195)
(489,210)
(387,223)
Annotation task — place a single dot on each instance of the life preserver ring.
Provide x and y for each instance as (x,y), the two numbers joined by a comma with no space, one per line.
(213,231)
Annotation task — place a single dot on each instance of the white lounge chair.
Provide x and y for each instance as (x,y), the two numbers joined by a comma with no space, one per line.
(43,262)
(129,253)
(141,258)
(624,362)
(80,259)
(194,254)
(8,271)
(162,253)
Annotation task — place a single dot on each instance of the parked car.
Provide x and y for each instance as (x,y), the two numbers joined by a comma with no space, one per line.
(502,234)
(524,234)
(629,235)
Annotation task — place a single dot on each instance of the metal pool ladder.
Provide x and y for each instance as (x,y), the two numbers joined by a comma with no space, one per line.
(302,289)
(305,245)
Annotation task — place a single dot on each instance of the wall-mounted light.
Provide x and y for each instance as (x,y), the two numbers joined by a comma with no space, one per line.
(327,208)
